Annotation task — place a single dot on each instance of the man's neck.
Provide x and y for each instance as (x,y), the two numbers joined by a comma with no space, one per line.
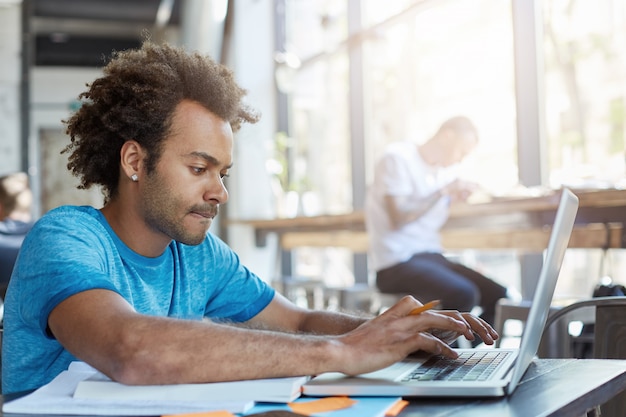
(429,153)
(133,231)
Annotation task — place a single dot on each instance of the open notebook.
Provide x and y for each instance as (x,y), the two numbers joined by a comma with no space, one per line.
(494,371)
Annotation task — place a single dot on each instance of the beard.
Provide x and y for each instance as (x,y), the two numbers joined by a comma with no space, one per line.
(163,212)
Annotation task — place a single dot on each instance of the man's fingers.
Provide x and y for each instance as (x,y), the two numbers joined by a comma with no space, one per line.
(447,336)
(431,344)
(403,307)
(435,320)
(448,322)
(483,329)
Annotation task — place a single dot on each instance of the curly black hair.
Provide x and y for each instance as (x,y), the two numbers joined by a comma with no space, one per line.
(135,99)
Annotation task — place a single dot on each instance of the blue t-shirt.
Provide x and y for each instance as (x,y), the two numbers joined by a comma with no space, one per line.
(73,249)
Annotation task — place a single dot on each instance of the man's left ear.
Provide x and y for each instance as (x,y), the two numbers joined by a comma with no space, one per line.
(131,158)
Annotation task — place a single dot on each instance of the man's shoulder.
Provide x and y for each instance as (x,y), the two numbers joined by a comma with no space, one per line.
(401,145)
(402,149)
(70,209)
(68,218)
(66,213)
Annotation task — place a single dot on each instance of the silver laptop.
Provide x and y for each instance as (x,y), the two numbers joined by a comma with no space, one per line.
(488,372)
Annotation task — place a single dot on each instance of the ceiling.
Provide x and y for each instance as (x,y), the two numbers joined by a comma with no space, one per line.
(85,32)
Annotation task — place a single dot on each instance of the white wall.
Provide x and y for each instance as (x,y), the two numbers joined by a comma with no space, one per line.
(53,91)
(9,88)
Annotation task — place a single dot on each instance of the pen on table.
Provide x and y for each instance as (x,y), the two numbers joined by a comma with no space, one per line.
(428,306)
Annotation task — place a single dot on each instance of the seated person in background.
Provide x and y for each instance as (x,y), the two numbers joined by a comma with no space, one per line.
(15,221)
(406,206)
(139,289)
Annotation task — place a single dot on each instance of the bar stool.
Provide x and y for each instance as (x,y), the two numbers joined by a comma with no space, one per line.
(386,300)
(556,343)
(303,291)
(556,340)
(359,297)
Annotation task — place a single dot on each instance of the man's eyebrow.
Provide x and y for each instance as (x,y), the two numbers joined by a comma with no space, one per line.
(209,158)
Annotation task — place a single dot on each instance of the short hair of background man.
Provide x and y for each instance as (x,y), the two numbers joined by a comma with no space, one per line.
(15,194)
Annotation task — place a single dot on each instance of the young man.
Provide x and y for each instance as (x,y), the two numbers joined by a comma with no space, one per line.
(138,288)
(406,206)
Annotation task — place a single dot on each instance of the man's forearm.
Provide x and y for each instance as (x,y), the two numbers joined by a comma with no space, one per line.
(166,351)
(422,206)
(330,323)
(404,210)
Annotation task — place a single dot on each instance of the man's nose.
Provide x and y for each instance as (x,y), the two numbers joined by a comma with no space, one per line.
(216,190)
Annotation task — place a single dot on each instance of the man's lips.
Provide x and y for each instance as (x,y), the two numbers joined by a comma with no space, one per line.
(207,214)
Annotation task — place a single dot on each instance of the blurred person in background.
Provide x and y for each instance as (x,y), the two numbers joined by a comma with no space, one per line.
(15,221)
(406,206)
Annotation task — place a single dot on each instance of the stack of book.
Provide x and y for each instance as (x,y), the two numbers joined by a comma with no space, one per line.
(81,390)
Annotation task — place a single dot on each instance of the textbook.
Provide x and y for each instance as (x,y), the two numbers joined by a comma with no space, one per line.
(272,390)
(56,398)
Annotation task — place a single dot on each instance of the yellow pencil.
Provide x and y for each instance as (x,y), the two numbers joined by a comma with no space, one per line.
(428,306)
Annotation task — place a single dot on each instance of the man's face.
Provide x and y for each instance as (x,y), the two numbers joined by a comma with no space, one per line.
(460,146)
(182,196)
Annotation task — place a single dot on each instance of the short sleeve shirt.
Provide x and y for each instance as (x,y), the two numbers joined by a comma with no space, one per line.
(73,249)
(401,171)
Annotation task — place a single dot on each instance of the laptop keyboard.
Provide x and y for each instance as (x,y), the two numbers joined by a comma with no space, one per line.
(469,366)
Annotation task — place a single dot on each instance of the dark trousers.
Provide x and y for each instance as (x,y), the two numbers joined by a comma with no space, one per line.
(431,276)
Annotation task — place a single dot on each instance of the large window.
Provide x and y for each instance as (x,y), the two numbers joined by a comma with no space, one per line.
(314,75)
(585,89)
(584,49)
(418,64)
(318,141)
(396,70)
(450,58)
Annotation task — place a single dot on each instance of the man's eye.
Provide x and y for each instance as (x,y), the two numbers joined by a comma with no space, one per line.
(224,175)
(198,170)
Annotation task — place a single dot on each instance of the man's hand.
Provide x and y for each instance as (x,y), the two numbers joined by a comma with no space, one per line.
(481,327)
(395,334)
(459,190)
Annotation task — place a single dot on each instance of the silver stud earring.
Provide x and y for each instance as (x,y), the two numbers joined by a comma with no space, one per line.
(134,178)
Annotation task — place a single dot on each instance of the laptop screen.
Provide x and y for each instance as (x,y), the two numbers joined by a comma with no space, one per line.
(559,239)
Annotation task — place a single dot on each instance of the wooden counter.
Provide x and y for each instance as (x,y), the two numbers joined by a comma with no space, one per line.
(513,223)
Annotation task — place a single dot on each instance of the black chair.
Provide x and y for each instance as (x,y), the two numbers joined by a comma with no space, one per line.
(518,310)
(607,315)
